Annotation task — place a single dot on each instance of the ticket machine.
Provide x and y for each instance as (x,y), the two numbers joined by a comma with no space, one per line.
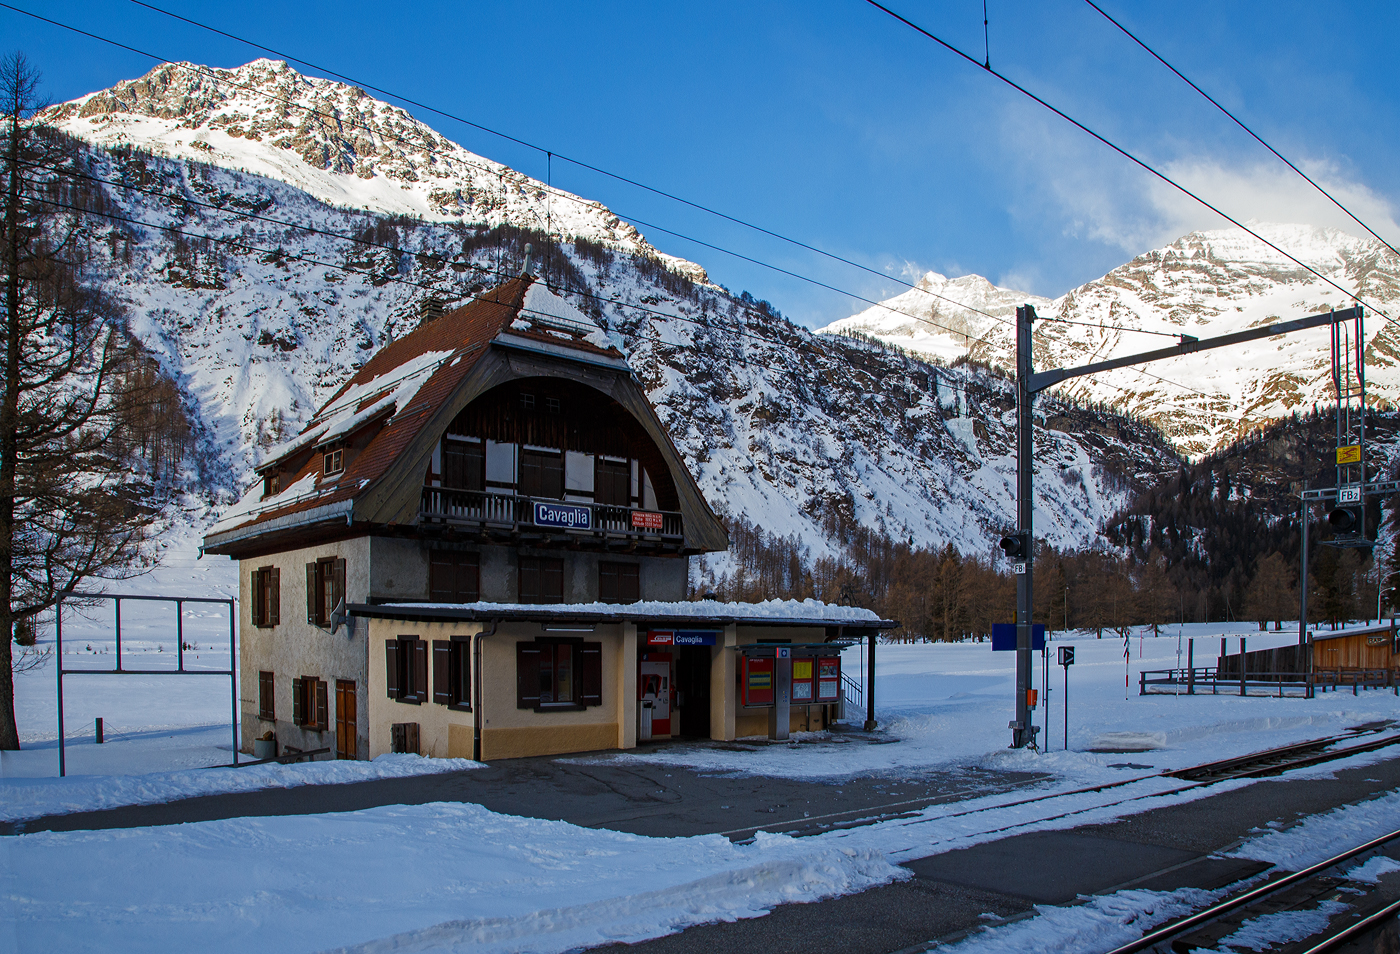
(654,696)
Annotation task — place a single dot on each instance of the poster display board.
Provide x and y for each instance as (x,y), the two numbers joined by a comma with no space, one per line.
(803,680)
(828,678)
(758,681)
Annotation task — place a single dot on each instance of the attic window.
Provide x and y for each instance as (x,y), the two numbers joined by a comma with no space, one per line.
(527,401)
(333,460)
(551,404)
(272,485)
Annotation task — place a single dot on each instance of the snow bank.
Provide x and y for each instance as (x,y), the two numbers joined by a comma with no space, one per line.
(404,878)
(700,609)
(30,798)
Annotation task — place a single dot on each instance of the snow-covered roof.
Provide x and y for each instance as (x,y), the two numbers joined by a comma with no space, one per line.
(1364,629)
(768,613)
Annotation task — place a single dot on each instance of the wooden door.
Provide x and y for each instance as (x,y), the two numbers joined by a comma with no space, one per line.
(345,709)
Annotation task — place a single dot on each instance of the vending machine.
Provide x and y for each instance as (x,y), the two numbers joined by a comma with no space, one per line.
(654,696)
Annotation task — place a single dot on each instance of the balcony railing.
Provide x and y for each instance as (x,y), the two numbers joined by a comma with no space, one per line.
(475,508)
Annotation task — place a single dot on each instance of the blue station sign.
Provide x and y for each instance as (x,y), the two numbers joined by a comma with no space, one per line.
(563,515)
(1004,637)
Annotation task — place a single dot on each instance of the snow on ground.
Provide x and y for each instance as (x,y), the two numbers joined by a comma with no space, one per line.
(460,877)
(1107,921)
(29,797)
(437,876)
(949,704)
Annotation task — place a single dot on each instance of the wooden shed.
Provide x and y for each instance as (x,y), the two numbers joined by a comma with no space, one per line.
(1365,648)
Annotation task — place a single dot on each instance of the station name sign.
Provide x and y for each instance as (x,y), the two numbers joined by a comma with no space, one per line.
(563,515)
(681,637)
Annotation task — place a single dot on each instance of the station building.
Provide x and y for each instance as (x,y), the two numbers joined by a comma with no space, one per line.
(488,529)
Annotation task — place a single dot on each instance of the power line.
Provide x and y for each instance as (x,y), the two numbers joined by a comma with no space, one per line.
(1238,122)
(1131,158)
(348,237)
(551,154)
(221,79)
(213,75)
(302,257)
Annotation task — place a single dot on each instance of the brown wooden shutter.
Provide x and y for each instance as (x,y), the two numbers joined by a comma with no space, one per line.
(266,706)
(323,715)
(468,577)
(256,609)
(391,667)
(551,581)
(313,615)
(607,583)
(629,583)
(442,672)
(274,597)
(338,593)
(527,675)
(439,577)
(420,670)
(590,673)
(298,701)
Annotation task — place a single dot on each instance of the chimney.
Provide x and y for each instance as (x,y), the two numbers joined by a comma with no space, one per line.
(429,309)
(525,269)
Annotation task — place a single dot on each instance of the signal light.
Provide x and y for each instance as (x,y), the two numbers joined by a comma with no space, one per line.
(1014,546)
(1345,520)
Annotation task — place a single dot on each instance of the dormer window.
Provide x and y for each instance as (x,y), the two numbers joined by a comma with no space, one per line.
(333,460)
(272,485)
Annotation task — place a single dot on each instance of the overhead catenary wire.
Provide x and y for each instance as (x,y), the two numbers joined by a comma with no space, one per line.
(248,246)
(1142,164)
(562,194)
(627,180)
(357,240)
(1239,122)
(487,166)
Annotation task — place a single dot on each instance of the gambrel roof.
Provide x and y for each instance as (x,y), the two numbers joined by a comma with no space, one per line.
(398,405)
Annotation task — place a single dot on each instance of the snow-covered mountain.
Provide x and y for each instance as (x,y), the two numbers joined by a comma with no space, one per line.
(259,320)
(1204,284)
(335,143)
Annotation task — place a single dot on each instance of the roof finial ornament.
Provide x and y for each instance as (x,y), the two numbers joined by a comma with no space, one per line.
(525,270)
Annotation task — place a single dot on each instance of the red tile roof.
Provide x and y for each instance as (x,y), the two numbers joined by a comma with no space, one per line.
(461,336)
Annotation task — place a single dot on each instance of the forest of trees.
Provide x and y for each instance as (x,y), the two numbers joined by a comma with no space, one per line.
(940,594)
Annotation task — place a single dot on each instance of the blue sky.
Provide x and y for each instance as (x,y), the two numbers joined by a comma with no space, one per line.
(834,124)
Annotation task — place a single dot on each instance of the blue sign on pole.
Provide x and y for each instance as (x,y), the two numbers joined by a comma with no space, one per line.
(563,515)
(1004,637)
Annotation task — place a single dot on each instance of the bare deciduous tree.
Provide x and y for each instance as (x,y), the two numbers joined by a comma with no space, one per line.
(68,386)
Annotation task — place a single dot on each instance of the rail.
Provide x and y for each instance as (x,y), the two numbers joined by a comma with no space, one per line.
(449,507)
(852,695)
(1209,680)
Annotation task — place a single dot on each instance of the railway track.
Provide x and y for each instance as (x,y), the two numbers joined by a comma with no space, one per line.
(1363,914)
(1255,765)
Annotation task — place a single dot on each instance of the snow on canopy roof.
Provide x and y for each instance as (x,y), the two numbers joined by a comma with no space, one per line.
(813,612)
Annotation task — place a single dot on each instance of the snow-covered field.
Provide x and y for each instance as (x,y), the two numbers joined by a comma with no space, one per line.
(459,877)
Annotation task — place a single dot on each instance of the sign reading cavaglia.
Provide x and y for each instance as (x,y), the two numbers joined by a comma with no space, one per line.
(563,515)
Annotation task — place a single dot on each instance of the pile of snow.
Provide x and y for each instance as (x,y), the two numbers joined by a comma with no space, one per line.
(22,798)
(406,878)
(808,609)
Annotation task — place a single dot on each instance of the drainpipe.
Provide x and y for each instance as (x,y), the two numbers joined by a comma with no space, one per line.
(476,689)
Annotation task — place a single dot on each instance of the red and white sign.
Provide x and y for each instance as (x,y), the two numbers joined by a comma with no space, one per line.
(646,520)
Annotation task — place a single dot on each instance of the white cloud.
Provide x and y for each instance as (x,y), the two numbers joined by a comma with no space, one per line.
(1089,193)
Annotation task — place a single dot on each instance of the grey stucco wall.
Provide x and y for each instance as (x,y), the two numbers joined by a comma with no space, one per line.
(295,648)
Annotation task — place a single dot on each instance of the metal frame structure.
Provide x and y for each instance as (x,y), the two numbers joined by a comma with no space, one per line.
(1029,383)
(180,670)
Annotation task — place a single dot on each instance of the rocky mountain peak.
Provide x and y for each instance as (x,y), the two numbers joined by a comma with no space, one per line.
(337,143)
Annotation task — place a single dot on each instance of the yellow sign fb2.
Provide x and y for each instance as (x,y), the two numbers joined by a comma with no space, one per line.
(1351,454)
